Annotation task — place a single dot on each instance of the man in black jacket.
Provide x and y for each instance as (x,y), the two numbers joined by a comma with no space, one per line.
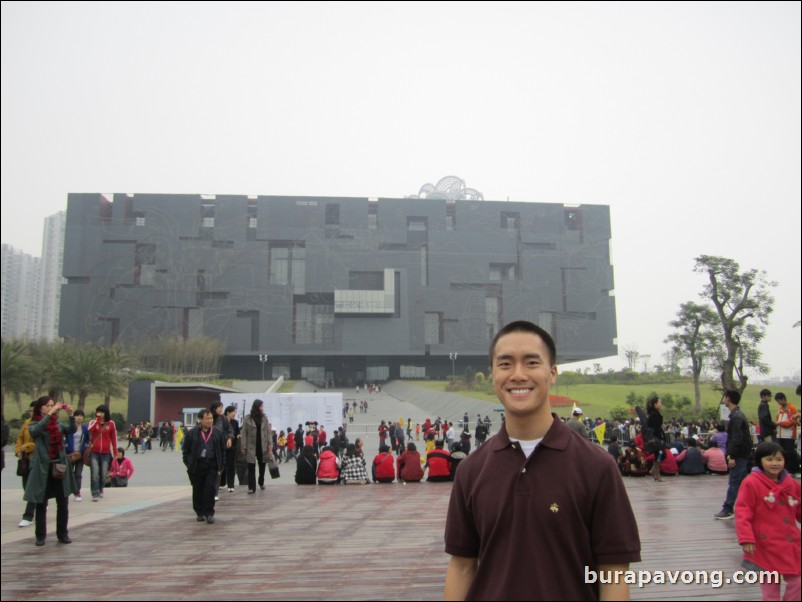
(204,457)
(739,446)
(768,427)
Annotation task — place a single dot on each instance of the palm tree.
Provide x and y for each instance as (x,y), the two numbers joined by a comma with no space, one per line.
(16,370)
(84,370)
(117,364)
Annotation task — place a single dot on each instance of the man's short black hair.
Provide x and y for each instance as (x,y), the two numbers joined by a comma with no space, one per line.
(733,396)
(765,392)
(524,326)
(779,396)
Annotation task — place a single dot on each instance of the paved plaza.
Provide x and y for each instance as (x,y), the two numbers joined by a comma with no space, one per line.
(328,543)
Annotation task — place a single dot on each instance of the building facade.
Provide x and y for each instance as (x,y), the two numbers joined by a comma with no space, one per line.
(20,275)
(337,289)
(51,280)
(31,287)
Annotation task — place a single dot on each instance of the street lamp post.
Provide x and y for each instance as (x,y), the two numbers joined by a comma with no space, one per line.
(263,360)
(453,357)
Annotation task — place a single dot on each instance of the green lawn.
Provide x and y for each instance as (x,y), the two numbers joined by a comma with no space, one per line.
(597,400)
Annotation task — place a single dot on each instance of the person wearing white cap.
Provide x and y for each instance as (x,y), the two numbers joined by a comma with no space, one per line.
(576,424)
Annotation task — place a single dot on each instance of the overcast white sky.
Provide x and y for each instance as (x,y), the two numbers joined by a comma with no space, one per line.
(684,118)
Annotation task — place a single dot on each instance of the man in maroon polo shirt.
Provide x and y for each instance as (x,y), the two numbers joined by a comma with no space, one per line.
(537,507)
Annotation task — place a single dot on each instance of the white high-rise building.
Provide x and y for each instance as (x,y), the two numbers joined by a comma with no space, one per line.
(20,294)
(51,276)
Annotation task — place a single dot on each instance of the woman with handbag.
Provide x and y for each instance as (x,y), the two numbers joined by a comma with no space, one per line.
(257,444)
(102,448)
(24,450)
(50,475)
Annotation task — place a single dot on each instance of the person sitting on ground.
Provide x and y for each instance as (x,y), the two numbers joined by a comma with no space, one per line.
(354,469)
(328,468)
(383,466)
(720,438)
(121,470)
(457,456)
(465,440)
(669,467)
(678,445)
(714,459)
(306,466)
(690,459)
(634,464)
(614,449)
(438,461)
(409,465)
(360,447)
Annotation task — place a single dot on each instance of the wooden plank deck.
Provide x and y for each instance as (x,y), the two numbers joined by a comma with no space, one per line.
(336,543)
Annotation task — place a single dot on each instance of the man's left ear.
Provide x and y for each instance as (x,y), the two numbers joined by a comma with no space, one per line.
(553,374)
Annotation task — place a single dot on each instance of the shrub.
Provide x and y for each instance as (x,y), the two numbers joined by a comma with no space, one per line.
(119,421)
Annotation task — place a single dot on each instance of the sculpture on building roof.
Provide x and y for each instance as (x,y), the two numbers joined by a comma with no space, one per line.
(450,188)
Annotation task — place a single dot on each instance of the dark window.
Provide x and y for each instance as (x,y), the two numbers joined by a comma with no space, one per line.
(332,214)
(373,215)
(366,281)
(418,224)
(510,220)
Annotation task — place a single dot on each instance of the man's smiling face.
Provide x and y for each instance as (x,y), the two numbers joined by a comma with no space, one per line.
(522,373)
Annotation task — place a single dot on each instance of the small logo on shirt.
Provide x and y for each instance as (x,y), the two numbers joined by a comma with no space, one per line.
(554,508)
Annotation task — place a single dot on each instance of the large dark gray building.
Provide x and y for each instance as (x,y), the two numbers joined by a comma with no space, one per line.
(349,289)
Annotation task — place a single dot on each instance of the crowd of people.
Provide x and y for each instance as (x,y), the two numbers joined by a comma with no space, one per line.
(142,434)
(218,450)
(51,456)
(691,448)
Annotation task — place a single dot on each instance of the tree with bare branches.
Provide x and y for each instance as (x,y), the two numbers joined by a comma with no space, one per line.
(743,303)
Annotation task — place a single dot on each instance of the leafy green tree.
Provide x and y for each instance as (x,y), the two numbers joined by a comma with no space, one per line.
(743,303)
(17,370)
(116,379)
(695,339)
(88,369)
(470,373)
(633,400)
(620,412)
(199,357)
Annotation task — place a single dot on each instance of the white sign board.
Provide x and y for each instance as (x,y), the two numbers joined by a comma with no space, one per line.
(291,409)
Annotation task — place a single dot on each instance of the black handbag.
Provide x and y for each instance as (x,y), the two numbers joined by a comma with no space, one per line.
(23,465)
(272,466)
(58,470)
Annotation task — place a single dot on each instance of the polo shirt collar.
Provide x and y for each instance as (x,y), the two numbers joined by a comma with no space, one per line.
(557,437)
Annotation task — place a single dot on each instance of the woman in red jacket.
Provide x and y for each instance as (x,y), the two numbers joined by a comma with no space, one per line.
(103,447)
(384,466)
(328,468)
(409,468)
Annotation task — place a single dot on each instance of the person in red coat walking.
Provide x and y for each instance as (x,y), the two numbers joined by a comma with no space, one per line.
(290,445)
